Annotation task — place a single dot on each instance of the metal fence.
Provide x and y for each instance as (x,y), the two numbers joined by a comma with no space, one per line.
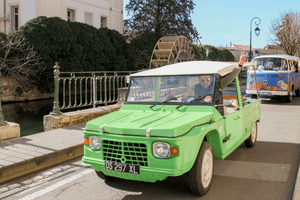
(80,89)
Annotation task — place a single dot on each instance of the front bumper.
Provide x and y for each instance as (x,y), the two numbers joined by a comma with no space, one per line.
(268,93)
(151,168)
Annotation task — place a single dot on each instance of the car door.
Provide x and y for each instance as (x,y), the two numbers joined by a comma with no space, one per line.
(233,118)
(233,130)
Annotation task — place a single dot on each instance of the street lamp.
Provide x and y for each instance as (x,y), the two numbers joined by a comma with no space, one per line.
(257,31)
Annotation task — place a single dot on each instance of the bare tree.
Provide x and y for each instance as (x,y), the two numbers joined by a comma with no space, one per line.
(18,59)
(286,30)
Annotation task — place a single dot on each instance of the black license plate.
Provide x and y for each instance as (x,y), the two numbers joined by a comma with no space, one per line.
(122,167)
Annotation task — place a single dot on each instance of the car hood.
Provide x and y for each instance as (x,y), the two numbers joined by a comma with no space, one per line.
(161,121)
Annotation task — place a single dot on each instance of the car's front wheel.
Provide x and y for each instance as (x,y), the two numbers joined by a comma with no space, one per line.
(253,96)
(289,97)
(200,175)
(250,142)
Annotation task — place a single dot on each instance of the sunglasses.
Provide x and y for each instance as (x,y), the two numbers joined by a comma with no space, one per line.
(205,79)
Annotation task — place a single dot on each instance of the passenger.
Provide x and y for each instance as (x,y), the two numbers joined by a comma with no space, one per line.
(270,65)
(295,66)
(205,86)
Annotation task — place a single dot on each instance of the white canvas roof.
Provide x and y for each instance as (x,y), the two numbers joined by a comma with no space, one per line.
(288,57)
(190,68)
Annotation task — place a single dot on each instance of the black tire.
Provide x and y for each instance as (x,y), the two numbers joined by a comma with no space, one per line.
(297,92)
(200,175)
(289,97)
(250,142)
(103,176)
(253,96)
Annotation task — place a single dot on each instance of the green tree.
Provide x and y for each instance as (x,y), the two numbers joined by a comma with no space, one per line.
(215,54)
(164,17)
(143,47)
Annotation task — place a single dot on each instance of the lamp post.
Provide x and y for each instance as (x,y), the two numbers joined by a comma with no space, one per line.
(257,31)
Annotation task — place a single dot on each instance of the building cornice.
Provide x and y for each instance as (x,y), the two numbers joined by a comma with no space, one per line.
(97,6)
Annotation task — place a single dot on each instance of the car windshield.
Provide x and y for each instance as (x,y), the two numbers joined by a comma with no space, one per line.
(172,90)
(274,64)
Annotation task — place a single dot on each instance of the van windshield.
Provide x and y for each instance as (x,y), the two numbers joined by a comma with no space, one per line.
(273,64)
(172,89)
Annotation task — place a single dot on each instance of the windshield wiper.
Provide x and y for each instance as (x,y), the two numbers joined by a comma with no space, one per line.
(173,98)
(152,106)
(200,97)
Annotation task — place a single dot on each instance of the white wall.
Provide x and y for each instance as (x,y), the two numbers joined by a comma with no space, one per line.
(29,9)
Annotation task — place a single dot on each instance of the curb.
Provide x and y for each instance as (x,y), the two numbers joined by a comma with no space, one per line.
(296,194)
(26,167)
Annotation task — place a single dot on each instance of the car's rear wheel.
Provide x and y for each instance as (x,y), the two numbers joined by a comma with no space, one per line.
(250,142)
(253,96)
(297,92)
(200,175)
(103,176)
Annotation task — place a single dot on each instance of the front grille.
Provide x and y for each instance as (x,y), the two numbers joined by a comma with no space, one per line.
(125,152)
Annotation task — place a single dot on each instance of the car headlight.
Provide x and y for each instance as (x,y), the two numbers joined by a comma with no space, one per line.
(161,150)
(94,142)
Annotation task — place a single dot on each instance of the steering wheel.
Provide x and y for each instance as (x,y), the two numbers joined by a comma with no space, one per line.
(168,97)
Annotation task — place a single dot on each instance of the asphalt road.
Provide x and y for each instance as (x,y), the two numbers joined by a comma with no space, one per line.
(267,171)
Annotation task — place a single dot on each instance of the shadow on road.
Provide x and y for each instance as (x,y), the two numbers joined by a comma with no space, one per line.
(240,186)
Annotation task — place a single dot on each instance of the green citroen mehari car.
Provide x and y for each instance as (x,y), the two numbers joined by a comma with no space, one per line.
(166,127)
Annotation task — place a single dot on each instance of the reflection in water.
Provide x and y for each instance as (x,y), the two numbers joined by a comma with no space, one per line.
(29,115)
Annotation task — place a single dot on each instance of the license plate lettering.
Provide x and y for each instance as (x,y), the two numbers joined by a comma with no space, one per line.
(263,92)
(108,165)
(132,169)
(119,167)
(122,167)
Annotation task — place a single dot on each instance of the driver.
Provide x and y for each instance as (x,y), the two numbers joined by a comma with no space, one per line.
(205,86)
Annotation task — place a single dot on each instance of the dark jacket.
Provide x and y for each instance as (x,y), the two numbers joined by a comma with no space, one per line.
(221,83)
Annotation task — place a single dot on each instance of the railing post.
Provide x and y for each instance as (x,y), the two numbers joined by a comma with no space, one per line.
(56,110)
(105,90)
(94,91)
(2,123)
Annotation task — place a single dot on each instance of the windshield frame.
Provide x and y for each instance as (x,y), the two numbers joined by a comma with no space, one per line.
(169,102)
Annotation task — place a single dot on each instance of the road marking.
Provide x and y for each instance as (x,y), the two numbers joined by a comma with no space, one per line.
(57,185)
(252,170)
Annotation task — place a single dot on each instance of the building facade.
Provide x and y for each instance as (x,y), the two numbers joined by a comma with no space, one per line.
(98,13)
(237,50)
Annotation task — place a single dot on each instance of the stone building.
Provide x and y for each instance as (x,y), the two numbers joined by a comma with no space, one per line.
(237,50)
(98,13)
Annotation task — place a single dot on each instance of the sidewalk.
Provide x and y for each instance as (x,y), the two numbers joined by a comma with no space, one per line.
(31,153)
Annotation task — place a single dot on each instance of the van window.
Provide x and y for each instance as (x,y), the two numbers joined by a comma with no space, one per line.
(273,64)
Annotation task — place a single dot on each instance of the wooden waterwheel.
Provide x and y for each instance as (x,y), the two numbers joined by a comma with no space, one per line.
(171,49)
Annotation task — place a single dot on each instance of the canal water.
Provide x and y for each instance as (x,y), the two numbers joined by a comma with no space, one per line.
(29,114)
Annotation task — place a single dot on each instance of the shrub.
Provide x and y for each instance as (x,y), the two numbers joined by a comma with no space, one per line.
(215,54)
(76,47)
(143,47)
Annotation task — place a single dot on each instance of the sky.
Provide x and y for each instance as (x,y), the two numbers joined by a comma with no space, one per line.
(224,22)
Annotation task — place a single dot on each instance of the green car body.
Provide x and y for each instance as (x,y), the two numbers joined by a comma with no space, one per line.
(128,136)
